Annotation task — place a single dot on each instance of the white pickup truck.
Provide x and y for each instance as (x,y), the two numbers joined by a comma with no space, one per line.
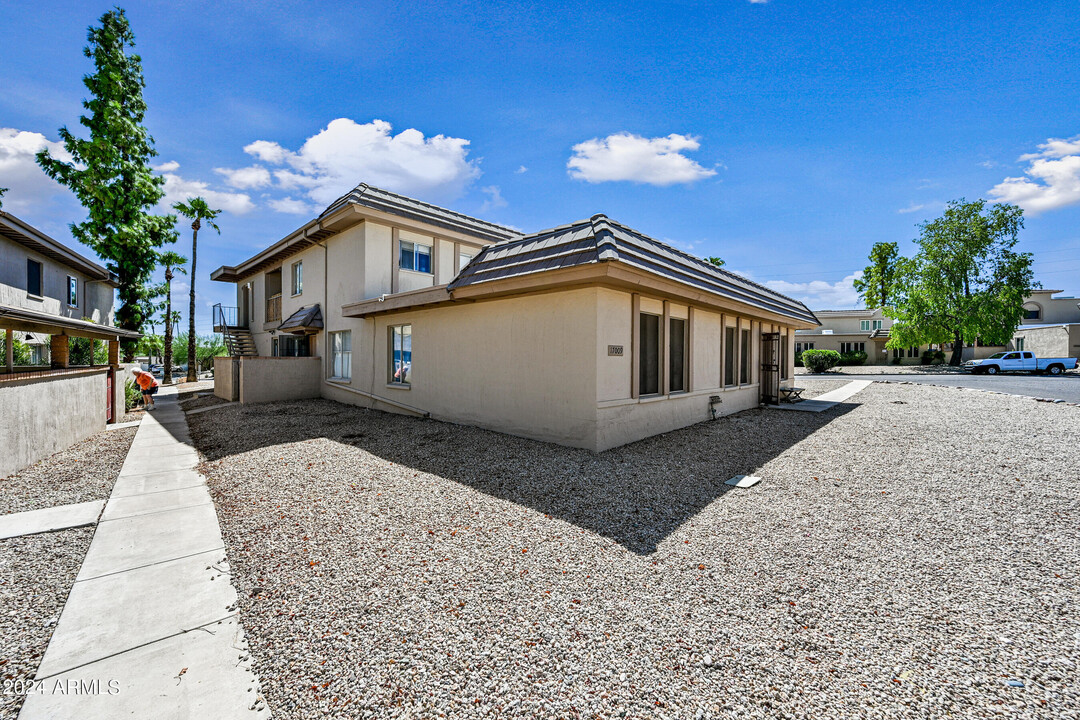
(1019,361)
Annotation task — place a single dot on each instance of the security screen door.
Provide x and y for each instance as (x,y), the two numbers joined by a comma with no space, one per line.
(770,368)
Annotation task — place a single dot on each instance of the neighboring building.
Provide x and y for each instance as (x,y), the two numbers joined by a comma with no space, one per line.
(46,291)
(1051,327)
(589,334)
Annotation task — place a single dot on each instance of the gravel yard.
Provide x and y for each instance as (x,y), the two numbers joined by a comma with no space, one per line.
(883,370)
(903,557)
(36,574)
(202,401)
(85,471)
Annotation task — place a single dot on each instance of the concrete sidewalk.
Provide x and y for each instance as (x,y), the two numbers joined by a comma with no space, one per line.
(826,400)
(150,627)
(60,517)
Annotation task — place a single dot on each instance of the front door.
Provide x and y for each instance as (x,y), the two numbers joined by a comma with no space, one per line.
(770,368)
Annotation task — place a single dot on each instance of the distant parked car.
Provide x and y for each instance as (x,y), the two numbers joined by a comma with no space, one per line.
(1019,361)
(157,370)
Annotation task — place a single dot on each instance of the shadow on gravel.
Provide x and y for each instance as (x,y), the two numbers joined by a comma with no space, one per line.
(636,495)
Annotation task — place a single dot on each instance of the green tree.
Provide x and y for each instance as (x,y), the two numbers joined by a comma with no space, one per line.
(875,285)
(3,191)
(207,347)
(21,349)
(967,281)
(110,172)
(196,210)
(715,261)
(171,261)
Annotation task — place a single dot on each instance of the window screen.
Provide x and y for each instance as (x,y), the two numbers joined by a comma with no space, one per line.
(744,358)
(730,340)
(677,355)
(649,362)
(33,277)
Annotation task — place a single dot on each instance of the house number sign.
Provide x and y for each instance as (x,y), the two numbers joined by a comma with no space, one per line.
(614,350)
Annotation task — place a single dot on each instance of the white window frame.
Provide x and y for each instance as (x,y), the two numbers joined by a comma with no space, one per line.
(464,259)
(392,332)
(296,276)
(402,250)
(72,291)
(864,325)
(341,355)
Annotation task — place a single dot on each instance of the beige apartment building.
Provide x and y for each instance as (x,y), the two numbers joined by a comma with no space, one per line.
(590,334)
(50,294)
(1050,328)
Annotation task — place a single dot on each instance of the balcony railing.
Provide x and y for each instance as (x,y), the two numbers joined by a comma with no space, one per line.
(273,308)
(224,317)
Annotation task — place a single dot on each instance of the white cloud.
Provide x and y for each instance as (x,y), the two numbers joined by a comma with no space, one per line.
(178,189)
(819,294)
(521,169)
(494,198)
(292,206)
(170,166)
(623,156)
(1052,178)
(267,151)
(758,2)
(28,185)
(254,176)
(346,153)
(911,208)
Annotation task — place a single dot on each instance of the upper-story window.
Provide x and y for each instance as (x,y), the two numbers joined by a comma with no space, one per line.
(33,277)
(868,325)
(298,277)
(463,260)
(72,291)
(1032,312)
(414,256)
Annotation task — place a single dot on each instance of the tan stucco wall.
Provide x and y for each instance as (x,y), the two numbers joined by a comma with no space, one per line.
(264,379)
(95,301)
(1059,341)
(227,378)
(46,415)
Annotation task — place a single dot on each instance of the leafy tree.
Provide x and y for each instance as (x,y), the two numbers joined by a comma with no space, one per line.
(171,261)
(875,285)
(151,346)
(966,283)
(197,210)
(21,349)
(110,172)
(207,347)
(3,191)
(715,261)
(84,351)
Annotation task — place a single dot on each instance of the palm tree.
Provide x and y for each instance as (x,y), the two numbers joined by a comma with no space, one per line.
(196,210)
(171,261)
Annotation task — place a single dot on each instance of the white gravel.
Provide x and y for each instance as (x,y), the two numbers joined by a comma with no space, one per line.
(36,574)
(85,471)
(907,557)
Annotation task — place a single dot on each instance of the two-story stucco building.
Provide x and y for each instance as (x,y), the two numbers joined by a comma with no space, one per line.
(590,334)
(49,294)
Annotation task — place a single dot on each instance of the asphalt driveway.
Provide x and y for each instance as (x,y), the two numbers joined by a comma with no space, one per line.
(1065,387)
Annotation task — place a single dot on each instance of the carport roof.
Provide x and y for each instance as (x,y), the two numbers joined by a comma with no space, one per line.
(600,239)
(32,321)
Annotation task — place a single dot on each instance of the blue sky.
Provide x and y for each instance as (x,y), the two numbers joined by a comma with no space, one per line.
(785,136)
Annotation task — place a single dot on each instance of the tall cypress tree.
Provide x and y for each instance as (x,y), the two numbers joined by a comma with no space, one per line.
(110,173)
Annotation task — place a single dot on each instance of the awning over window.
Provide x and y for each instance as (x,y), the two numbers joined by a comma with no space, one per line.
(306,320)
(39,322)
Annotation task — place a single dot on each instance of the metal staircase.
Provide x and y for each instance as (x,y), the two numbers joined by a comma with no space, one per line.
(238,340)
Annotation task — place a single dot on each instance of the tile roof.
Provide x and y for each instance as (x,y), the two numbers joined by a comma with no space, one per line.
(306,318)
(386,201)
(600,239)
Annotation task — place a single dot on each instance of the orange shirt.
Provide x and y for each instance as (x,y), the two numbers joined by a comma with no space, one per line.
(145,380)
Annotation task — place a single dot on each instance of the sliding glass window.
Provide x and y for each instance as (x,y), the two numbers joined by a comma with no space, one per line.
(730,341)
(677,355)
(649,354)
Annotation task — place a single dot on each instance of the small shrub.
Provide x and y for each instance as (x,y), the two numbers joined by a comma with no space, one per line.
(939,357)
(853,358)
(897,361)
(932,357)
(798,359)
(131,395)
(819,361)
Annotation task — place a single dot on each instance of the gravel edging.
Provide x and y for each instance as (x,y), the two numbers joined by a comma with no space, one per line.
(85,471)
(36,575)
(903,556)
(201,402)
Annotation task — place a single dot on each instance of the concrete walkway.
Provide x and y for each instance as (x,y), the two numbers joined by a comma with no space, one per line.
(825,400)
(60,517)
(150,627)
